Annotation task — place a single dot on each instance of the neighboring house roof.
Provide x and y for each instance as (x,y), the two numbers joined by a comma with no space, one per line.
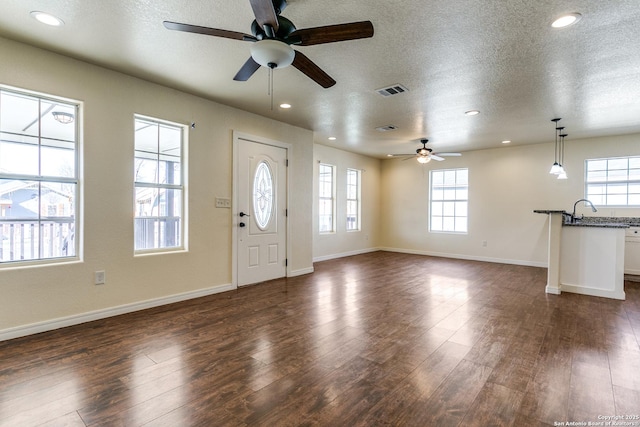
(22,197)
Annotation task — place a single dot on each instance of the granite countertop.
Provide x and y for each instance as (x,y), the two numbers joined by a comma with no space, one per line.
(594,221)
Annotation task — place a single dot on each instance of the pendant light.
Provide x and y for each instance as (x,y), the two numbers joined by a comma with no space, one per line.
(563,172)
(555,168)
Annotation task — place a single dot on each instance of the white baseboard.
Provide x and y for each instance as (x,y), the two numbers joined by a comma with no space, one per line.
(615,294)
(345,254)
(301,272)
(76,319)
(467,257)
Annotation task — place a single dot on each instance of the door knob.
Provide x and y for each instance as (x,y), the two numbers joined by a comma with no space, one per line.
(243,214)
(242,224)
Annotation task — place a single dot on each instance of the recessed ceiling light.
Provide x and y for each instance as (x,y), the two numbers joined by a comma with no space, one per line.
(506,141)
(46,18)
(285,106)
(332,138)
(566,20)
(389,155)
(472,112)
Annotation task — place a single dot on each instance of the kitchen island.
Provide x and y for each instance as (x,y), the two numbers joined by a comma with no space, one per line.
(585,256)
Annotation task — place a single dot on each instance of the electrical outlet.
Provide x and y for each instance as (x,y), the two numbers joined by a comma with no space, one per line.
(100,277)
(484,243)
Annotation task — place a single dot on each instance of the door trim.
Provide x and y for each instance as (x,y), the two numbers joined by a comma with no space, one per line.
(237,136)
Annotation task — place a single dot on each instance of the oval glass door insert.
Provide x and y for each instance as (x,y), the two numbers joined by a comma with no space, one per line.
(263,195)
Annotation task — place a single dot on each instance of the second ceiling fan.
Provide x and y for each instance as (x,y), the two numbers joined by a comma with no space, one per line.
(273,35)
(425,155)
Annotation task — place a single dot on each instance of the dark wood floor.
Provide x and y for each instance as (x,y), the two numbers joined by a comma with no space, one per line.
(370,340)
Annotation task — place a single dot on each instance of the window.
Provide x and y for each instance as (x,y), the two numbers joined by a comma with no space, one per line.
(449,200)
(326,192)
(39,184)
(353,199)
(159,185)
(613,181)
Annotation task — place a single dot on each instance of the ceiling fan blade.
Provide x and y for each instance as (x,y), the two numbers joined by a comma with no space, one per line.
(247,70)
(311,70)
(331,33)
(436,158)
(448,154)
(176,26)
(265,13)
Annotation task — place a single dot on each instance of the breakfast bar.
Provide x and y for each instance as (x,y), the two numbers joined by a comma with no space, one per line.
(585,256)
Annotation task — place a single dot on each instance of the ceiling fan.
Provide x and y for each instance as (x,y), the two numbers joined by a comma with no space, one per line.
(425,155)
(273,35)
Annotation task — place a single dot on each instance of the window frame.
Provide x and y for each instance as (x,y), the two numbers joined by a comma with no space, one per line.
(357,200)
(182,187)
(323,198)
(455,200)
(74,230)
(607,183)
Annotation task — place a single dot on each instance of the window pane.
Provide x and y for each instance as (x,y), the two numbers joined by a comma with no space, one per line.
(617,199)
(449,208)
(436,223)
(58,162)
(263,195)
(449,193)
(437,178)
(461,209)
(146,170)
(461,224)
(620,164)
(20,114)
(437,194)
(19,158)
(448,224)
(462,177)
(436,208)
(596,165)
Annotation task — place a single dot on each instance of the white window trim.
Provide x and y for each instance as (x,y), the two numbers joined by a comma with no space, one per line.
(358,201)
(606,181)
(78,181)
(332,198)
(183,186)
(430,230)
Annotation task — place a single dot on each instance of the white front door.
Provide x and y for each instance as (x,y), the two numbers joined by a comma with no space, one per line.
(260,212)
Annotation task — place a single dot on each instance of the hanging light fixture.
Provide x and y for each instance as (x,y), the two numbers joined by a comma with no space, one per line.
(62,117)
(555,168)
(423,159)
(563,172)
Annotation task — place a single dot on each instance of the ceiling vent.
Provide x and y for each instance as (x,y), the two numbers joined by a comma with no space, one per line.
(396,89)
(386,128)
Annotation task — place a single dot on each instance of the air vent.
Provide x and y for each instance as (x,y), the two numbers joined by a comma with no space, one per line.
(396,89)
(386,128)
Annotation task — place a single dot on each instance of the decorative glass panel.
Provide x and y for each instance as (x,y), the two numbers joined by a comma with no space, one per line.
(263,195)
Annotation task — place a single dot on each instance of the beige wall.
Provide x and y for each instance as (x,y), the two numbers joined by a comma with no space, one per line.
(110,99)
(342,242)
(506,185)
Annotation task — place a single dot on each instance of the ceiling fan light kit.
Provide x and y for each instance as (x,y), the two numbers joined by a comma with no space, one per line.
(425,155)
(273,36)
(272,53)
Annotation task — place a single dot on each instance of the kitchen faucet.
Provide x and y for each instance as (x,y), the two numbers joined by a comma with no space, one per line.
(573,215)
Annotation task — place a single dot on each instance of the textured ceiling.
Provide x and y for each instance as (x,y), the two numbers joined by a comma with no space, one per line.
(498,56)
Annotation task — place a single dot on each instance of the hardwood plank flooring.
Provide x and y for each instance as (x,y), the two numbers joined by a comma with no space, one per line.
(369,340)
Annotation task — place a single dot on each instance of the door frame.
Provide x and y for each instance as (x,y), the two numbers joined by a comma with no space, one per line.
(237,136)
